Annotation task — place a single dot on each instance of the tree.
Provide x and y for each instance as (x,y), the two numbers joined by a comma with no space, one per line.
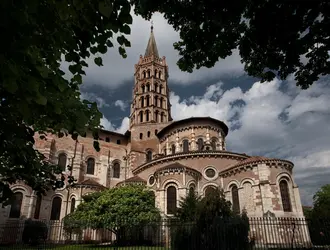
(321,203)
(274,38)
(118,209)
(35,97)
(208,223)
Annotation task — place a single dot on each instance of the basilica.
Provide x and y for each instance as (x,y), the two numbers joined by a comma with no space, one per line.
(170,157)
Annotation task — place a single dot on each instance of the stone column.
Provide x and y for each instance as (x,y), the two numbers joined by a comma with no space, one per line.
(193,139)
(177,144)
(265,189)
(167,147)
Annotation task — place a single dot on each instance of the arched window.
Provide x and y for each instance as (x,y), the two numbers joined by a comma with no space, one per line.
(141,136)
(164,150)
(143,88)
(116,170)
(235,199)
(90,166)
(144,74)
(148,100)
(148,73)
(171,200)
(185,146)
(147,115)
(38,207)
(162,117)
(209,190)
(156,115)
(173,148)
(141,116)
(142,101)
(192,187)
(73,205)
(160,88)
(160,74)
(156,101)
(56,209)
(62,159)
(148,133)
(156,131)
(161,101)
(285,195)
(156,87)
(214,144)
(200,144)
(155,73)
(16,205)
(149,155)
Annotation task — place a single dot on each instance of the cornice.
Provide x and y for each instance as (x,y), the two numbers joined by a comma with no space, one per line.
(191,154)
(238,168)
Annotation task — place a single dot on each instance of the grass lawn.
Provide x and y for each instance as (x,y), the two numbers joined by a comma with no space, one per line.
(82,247)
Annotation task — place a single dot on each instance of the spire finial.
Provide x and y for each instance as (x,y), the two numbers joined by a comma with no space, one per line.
(152,25)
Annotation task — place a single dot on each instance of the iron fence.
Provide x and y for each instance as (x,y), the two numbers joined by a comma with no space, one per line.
(258,233)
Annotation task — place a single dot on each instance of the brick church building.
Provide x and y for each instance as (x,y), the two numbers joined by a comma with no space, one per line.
(170,157)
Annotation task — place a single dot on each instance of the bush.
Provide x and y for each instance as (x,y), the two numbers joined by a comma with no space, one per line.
(34,232)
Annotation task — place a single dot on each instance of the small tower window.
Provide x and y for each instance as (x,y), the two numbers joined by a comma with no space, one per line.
(149,155)
(161,100)
(147,115)
(148,73)
(160,89)
(156,115)
(148,87)
(144,74)
(214,144)
(141,136)
(148,133)
(155,73)
(73,205)
(156,87)
(173,149)
(118,142)
(143,88)
(141,116)
(156,131)
(156,101)
(160,74)
(185,146)
(148,100)
(200,143)
(116,170)
(142,101)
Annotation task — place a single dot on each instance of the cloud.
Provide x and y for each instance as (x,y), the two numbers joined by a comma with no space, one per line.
(117,70)
(264,120)
(108,125)
(121,104)
(94,98)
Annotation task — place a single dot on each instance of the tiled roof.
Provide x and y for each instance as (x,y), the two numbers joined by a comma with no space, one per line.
(90,182)
(136,178)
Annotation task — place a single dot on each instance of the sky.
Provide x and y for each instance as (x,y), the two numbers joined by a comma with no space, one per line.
(273,119)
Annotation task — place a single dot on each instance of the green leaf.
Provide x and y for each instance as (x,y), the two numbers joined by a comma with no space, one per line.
(41,100)
(121,40)
(122,52)
(125,29)
(105,8)
(77,78)
(10,85)
(98,61)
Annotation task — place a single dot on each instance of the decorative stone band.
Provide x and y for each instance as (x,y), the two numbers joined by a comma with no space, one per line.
(250,162)
(177,168)
(188,128)
(192,154)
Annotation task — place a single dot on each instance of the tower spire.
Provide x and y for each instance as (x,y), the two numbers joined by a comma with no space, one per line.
(151,47)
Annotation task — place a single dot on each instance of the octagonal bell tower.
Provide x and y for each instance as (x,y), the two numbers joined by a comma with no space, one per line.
(150,102)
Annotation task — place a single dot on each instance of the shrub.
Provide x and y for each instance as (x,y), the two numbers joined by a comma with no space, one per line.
(34,232)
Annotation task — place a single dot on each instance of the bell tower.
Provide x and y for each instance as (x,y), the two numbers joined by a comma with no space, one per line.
(150,102)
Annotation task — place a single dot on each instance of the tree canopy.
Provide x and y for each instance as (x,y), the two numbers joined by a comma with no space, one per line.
(274,38)
(114,209)
(321,203)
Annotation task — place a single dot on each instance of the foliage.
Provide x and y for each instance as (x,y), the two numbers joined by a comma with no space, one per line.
(321,200)
(34,232)
(37,36)
(118,209)
(274,38)
(208,223)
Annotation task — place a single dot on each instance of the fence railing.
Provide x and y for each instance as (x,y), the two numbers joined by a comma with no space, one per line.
(258,233)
